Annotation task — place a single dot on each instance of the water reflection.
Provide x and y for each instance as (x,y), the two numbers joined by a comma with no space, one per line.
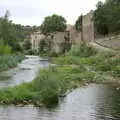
(94,102)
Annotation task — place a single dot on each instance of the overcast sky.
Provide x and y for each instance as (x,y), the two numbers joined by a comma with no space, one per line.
(32,12)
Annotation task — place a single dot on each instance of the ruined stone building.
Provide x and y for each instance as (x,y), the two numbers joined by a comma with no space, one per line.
(36,37)
(75,37)
(88,27)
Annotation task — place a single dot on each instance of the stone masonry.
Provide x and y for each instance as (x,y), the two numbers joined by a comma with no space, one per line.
(75,37)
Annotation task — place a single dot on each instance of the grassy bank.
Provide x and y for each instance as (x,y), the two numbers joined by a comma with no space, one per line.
(105,63)
(82,65)
(48,86)
(10,61)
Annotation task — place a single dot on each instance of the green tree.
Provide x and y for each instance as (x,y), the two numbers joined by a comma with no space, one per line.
(78,23)
(43,46)
(7,49)
(5,28)
(27,45)
(107,17)
(1,46)
(66,44)
(100,19)
(54,23)
(13,34)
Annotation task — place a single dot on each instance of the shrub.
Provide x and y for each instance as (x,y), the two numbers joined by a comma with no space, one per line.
(117,71)
(75,49)
(67,60)
(83,50)
(7,49)
(10,61)
(1,46)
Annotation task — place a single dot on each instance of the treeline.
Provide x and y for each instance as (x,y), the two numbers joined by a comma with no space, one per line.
(12,35)
(107,17)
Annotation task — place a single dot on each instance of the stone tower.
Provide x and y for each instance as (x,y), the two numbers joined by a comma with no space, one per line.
(88,27)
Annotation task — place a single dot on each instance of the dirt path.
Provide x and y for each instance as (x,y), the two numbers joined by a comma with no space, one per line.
(102,48)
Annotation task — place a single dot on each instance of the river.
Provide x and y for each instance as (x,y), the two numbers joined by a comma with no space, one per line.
(92,102)
(24,72)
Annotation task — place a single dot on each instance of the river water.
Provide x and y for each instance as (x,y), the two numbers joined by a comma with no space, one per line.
(92,102)
(24,72)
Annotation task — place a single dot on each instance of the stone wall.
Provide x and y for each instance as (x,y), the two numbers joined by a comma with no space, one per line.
(58,38)
(35,40)
(75,37)
(88,27)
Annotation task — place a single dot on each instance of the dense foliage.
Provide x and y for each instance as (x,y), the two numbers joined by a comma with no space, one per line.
(66,44)
(54,23)
(107,17)
(45,46)
(27,45)
(13,34)
(10,61)
(4,49)
(78,24)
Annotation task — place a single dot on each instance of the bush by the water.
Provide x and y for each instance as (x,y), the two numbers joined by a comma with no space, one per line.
(75,54)
(92,59)
(67,60)
(10,61)
(82,50)
(5,49)
(47,87)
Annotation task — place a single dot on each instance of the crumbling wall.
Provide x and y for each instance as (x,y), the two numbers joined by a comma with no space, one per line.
(35,40)
(88,27)
(75,36)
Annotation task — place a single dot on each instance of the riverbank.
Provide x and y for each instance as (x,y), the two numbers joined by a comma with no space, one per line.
(10,61)
(80,66)
(48,86)
(87,102)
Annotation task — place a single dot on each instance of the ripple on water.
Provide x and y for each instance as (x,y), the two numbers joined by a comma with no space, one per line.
(93,102)
(24,72)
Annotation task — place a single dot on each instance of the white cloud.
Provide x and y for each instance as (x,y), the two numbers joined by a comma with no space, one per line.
(33,11)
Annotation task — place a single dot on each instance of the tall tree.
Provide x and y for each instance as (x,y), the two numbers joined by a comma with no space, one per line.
(27,45)
(12,34)
(78,24)
(54,23)
(5,28)
(107,17)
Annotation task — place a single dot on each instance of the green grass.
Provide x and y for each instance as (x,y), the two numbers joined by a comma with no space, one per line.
(66,60)
(90,58)
(75,54)
(10,61)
